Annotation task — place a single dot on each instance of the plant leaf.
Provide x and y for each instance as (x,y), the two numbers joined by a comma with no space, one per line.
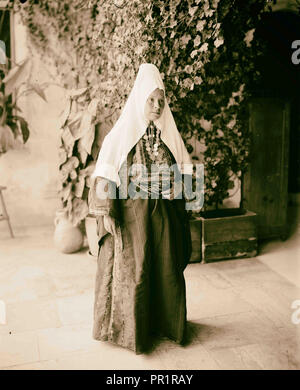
(82,152)
(87,140)
(24,127)
(70,165)
(62,155)
(79,124)
(77,92)
(38,90)
(79,186)
(16,76)
(64,114)
(65,192)
(7,140)
(68,140)
(92,107)
(80,210)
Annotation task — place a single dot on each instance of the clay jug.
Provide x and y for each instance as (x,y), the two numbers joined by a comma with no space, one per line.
(67,238)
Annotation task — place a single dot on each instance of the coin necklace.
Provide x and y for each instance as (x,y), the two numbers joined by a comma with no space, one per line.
(152,141)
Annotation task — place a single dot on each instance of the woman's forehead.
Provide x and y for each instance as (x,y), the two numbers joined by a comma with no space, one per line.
(157,93)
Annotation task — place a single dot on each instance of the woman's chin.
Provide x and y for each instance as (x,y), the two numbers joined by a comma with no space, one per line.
(154,117)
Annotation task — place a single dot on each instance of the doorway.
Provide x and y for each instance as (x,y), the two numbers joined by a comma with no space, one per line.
(275,121)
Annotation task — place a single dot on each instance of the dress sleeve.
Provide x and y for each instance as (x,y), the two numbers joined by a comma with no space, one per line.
(109,205)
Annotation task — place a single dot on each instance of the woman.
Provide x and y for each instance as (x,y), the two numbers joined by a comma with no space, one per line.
(144,234)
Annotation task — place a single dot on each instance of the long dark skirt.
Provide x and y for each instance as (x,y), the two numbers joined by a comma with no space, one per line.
(144,295)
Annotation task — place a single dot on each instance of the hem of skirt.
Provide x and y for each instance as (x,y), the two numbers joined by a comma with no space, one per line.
(180,341)
(137,351)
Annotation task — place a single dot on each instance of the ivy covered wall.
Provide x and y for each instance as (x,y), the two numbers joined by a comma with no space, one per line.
(205,51)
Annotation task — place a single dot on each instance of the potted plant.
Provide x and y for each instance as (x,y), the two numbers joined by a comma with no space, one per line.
(228,234)
(14,128)
(76,165)
(220,233)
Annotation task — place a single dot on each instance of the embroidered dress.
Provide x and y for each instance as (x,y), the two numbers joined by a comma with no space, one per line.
(155,174)
(140,287)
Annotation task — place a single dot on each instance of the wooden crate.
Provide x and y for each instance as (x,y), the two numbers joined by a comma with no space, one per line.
(196,228)
(229,237)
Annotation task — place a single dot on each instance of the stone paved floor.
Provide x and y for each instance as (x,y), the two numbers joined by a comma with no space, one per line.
(239,312)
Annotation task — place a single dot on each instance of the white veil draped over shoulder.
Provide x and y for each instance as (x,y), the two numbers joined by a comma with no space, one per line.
(132,124)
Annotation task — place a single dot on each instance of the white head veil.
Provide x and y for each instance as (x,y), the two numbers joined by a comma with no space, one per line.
(132,124)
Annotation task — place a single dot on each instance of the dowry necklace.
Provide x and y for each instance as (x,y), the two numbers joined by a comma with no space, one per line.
(152,140)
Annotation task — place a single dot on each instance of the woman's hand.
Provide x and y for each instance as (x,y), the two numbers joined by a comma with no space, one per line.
(109,224)
(168,194)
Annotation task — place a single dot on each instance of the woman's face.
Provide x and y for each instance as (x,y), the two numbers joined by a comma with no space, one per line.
(155,105)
